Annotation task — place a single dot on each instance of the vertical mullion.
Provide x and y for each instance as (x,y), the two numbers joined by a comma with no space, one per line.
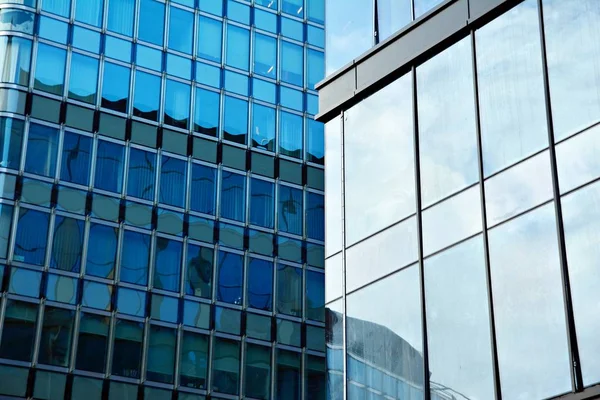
(426,383)
(343,205)
(486,249)
(576,374)
(375,24)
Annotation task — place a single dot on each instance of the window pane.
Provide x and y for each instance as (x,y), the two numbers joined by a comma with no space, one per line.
(179,66)
(149,57)
(18,331)
(315,66)
(97,295)
(375,201)
(238,47)
(290,210)
(50,69)
(84,78)
(263,90)
(289,290)
(199,271)
(109,166)
(164,308)
(398,327)
(6,213)
(118,49)
(265,55)
(293,7)
(25,282)
(392,16)
(262,207)
(257,371)
(194,360)
(290,134)
(161,354)
(333,187)
(76,156)
(152,21)
(213,7)
(67,244)
(423,6)
(578,159)
(142,174)
(51,29)
(16,20)
(233,196)
(60,7)
(260,284)
(17,59)
(61,289)
(210,37)
(291,98)
(128,347)
(236,120)
(315,216)
(315,139)
(89,12)
(92,343)
(238,12)
(236,83)
(181,30)
(230,269)
(226,366)
(167,270)
(132,302)
(292,63)
(115,87)
(511,95)
(206,114)
(173,173)
(315,296)
(11,139)
(334,341)
(177,104)
(101,257)
(288,375)
(135,258)
(86,39)
(32,234)
(146,96)
(42,149)
(292,29)
(208,75)
(530,324)
(57,334)
(263,127)
(203,189)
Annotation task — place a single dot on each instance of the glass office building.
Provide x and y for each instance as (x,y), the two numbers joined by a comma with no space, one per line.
(462,199)
(161,199)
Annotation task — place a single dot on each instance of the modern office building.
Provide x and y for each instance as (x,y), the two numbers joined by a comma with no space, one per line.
(462,199)
(161,199)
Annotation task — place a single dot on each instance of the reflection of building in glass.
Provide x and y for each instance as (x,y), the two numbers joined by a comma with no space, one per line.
(462,199)
(161,199)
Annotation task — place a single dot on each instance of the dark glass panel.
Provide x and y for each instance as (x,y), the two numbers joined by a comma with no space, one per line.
(92,343)
(230,273)
(56,337)
(42,150)
(193,360)
(233,196)
(25,282)
(132,302)
(290,209)
(289,290)
(315,216)
(164,308)
(257,371)
(127,350)
(226,366)
(6,214)
(173,174)
(235,125)
(262,203)
(177,104)
(315,296)
(135,258)
(199,271)
(18,331)
(260,284)
(142,174)
(67,244)
(76,158)
(31,237)
(315,141)
(161,354)
(50,69)
(97,295)
(11,139)
(102,255)
(83,79)
(109,166)
(288,383)
(203,189)
(115,87)
(146,98)
(167,269)
(315,378)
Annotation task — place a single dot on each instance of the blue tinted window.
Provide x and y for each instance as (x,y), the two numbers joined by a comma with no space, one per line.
(238,12)
(161,356)
(291,98)
(120,16)
(289,290)
(199,271)
(167,268)
(263,90)
(236,83)
(179,66)
(208,75)
(312,104)
(67,244)
(132,302)
(128,344)
(293,7)
(229,288)
(315,216)
(181,30)
(25,282)
(31,237)
(60,7)
(118,49)
(135,257)
(76,155)
(272,4)
(115,87)
(50,69)
(292,29)
(211,6)
(206,114)
(102,256)
(233,196)
(265,20)
(260,284)
(54,30)
(96,295)
(173,173)
(152,21)
(18,332)
(86,39)
(89,11)
(177,104)
(315,67)
(203,189)
(315,36)
(292,63)
(315,141)
(263,127)
(235,126)
(237,52)
(164,308)
(290,210)
(315,296)
(11,138)
(148,57)
(290,134)
(262,203)
(55,340)
(17,60)
(42,149)
(210,37)
(265,55)
(189,3)
(142,173)
(84,78)
(146,96)
(316,11)
(109,166)
(91,346)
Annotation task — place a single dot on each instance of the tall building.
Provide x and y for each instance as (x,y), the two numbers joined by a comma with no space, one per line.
(462,199)
(161,199)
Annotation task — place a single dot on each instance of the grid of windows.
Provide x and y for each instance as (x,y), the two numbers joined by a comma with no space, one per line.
(470,189)
(161,199)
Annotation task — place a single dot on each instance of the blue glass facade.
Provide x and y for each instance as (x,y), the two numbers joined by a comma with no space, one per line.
(161,199)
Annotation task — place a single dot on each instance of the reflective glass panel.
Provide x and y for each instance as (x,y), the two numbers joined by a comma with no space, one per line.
(102,256)
(199,271)
(31,237)
(213,7)
(16,20)
(42,150)
(288,384)
(135,257)
(210,38)
(83,82)
(97,295)
(67,244)
(315,66)
(335,357)
(56,337)
(18,330)
(289,290)
(293,7)
(161,354)
(115,87)
(146,96)
(181,30)
(315,216)
(235,120)
(51,29)
(89,11)
(179,66)
(230,269)
(128,345)
(206,113)
(292,29)
(263,90)
(149,57)
(262,203)
(238,12)
(290,210)
(167,267)
(76,157)
(265,55)
(290,134)
(25,282)
(50,69)
(151,21)
(92,342)
(260,284)
(17,58)
(392,16)
(86,39)
(423,6)
(59,7)
(203,189)
(292,63)
(117,48)
(257,371)
(237,48)
(177,104)
(236,83)
(173,174)
(109,166)
(333,186)
(6,213)
(265,20)
(315,296)
(233,196)
(263,127)
(132,302)
(142,174)
(196,314)
(315,141)
(578,159)
(226,366)
(193,360)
